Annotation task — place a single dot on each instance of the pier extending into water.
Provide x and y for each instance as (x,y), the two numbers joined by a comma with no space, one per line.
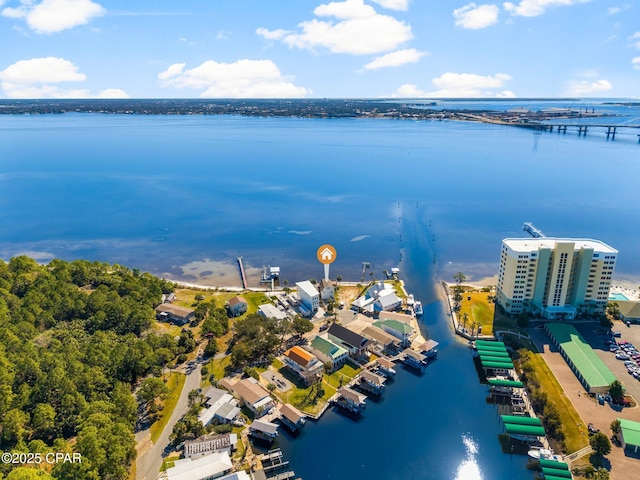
(242,275)
(582,128)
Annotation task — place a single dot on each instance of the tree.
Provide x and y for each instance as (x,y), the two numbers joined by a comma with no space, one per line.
(28,473)
(615,426)
(616,390)
(459,277)
(194,397)
(43,422)
(339,279)
(301,325)
(600,444)
(211,348)
(152,389)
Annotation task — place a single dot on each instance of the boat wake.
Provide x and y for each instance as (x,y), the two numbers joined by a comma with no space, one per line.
(469,469)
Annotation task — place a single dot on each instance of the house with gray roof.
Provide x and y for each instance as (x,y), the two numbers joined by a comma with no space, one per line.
(355,344)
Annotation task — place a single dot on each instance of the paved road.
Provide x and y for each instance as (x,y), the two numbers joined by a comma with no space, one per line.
(149,463)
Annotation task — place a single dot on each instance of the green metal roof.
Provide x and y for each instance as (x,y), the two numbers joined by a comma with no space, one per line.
(491,347)
(553,464)
(396,325)
(495,353)
(505,383)
(630,431)
(556,472)
(330,349)
(489,343)
(590,366)
(555,477)
(505,365)
(524,430)
(491,358)
(520,420)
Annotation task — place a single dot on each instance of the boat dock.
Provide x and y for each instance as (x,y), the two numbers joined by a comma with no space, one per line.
(242,275)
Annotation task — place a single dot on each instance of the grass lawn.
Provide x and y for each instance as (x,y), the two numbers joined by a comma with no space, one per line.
(217,366)
(342,376)
(478,310)
(175,384)
(574,429)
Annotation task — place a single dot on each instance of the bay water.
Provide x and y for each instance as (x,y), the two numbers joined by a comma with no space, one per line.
(182,197)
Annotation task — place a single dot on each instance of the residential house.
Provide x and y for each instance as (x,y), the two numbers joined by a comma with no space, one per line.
(384,297)
(327,290)
(309,295)
(254,397)
(207,467)
(291,417)
(220,406)
(355,344)
(207,444)
(405,333)
(351,397)
(403,317)
(270,311)
(383,340)
(304,364)
(263,430)
(237,306)
(172,313)
(328,352)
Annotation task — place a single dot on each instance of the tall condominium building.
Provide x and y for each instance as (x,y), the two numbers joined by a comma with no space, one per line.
(557,278)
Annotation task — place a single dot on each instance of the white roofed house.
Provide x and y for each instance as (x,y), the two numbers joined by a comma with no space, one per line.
(207,467)
(210,444)
(270,311)
(309,295)
(387,300)
(220,405)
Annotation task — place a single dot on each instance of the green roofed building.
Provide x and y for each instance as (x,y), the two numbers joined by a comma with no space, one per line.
(493,353)
(398,329)
(498,382)
(521,420)
(594,375)
(524,430)
(629,436)
(489,344)
(329,352)
(551,473)
(553,464)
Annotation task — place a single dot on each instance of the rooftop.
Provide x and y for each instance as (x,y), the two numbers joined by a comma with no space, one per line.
(327,347)
(270,311)
(629,309)
(379,335)
(299,355)
(630,431)
(250,391)
(528,244)
(237,299)
(396,325)
(291,413)
(307,287)
(202,467)
(348,336)
(174,309)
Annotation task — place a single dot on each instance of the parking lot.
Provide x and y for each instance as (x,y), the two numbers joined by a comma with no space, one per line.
(622,467)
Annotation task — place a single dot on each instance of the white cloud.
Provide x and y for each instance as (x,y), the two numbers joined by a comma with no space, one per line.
(355,29)
(475,17)
(241,79)
(635,62)
(223,35)
(396,59)
(409,90)
(401,5)
(533,8)
(585,87)
(616,10)
(38,78)
(42,70)
(51,16)
(635,38)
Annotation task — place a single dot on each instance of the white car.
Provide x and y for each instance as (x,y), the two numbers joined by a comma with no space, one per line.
(622,356)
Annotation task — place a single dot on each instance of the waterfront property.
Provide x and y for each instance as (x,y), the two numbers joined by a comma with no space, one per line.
(291,417)
(355,344)
(303,364)
(386,367)
(210,444)
(309,295)
(263,430)
(414,359)
(328,352)
(384,297)
(173,313)
(594,375)
(213,465)
(556,278)
(371,382)
(327,290)
(219,405)
(237,306)
(527,429)
(382,340)
(629,436)
(350,400)
(253,396)
(270,311)
(402,331)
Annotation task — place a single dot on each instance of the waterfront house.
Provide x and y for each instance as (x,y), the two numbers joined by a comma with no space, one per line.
(414,359)
(328,352)
(351,400)
(309,295)
(403,317)
(363,305)
(254,397)
(263,430)
(237,306)
(381,339)
(219,405)
(211,466)
(271,311)
(372,382)
(386,367)
(303,364)
(327,290)
(355,344)
(405,333)
(291,417)
(207,444)
(387,301)
(173,313)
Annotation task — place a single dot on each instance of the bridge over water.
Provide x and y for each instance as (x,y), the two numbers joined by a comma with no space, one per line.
(581,128)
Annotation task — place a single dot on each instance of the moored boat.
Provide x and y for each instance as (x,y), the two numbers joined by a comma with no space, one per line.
(417,308)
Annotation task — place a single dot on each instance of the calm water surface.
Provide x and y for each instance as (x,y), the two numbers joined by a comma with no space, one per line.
(183,196)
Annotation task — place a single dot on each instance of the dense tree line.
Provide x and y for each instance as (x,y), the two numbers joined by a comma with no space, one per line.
(74,341)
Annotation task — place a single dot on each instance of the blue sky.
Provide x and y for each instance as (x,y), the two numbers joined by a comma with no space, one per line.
(315,48)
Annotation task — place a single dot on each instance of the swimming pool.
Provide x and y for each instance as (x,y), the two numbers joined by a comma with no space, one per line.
(618,296)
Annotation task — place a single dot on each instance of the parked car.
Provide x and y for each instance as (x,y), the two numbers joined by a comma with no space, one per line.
(616,334)
(622,356)
(592,429)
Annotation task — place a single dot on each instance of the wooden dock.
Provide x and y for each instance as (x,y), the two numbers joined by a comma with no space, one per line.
(242,275)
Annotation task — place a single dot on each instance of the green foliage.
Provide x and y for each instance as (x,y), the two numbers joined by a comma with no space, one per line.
(615,426)
(600,444)
(211,348)
(301,325)
(71,349)
(27,473)
(616,390)
(255,339)
(251,372)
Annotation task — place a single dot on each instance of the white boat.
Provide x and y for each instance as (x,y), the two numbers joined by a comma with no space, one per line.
(417,308)
(543,454)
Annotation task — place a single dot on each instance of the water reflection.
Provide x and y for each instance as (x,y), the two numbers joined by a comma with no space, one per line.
(469,469)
